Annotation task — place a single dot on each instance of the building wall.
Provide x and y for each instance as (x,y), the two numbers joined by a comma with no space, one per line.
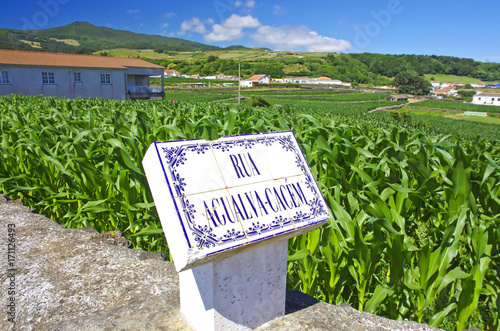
(246,83)
(28,81)
(482,99)
(265,80)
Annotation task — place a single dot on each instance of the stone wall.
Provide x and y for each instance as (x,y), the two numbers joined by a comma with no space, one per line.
(67,279)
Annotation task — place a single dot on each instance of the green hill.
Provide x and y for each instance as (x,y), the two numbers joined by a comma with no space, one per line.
(83,37)
(197,58)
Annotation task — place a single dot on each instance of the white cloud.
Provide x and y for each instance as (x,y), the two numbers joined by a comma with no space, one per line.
(168,15)
(248,3)
(232,28)
(278,10)
(289,38)
(133,11)
(164,25)
(195,25)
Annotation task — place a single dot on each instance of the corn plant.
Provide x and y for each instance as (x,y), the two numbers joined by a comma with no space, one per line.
(414,214)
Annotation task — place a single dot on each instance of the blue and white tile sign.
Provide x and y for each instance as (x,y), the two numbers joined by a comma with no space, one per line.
(214,197)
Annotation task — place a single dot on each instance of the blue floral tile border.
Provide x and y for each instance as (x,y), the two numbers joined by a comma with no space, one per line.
(250,200)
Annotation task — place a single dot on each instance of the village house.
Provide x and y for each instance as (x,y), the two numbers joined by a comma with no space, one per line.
(449,90)
(229,77)
(397,97)
(298,80)
(255,80)
(486,99)
(192,84)
(171,73)
(327,81)
(477,85)
(317,81)
(73,76)
(221,77)
(451,85)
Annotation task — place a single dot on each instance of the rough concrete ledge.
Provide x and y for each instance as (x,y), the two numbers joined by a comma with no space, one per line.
(67,279)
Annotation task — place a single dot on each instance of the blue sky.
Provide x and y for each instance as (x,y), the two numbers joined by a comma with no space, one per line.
(454,28)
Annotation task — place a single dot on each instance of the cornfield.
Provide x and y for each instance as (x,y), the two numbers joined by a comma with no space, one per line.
(414,215)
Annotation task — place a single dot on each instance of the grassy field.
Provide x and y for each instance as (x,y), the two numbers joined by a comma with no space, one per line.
(454,79)
(34,44)
(244,55)
(455,115)
(489,120)
(457,106)
(356,100)
(71,42)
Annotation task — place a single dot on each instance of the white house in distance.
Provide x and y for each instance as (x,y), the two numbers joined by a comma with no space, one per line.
(486,99)
(444,85)
(316,81)
(255,80)
(477,85)
(171,73)
(73,76)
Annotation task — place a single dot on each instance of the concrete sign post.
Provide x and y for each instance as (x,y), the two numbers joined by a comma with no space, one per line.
(227,208)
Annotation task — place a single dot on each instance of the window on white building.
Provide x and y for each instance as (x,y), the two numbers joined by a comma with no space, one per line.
(77,77)
(4,77)
(48,78)
(105,78)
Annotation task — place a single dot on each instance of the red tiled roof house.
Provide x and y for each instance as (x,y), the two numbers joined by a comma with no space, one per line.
(72,76)
(255,80)
(171,73)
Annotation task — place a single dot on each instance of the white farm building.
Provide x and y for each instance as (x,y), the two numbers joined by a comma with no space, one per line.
(73,76)
(255,80)
(486,99)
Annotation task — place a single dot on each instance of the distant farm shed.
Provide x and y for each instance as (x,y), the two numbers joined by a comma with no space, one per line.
(397,97)
(73,76)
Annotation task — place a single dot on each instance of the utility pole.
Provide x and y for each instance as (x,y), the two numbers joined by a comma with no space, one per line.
(239,84)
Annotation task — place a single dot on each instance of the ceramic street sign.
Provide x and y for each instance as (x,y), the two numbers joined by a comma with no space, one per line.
(218,198)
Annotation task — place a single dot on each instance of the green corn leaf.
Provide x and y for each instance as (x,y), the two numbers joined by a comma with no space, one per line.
(379,295)
(147,231)
(438,318)
(299,255)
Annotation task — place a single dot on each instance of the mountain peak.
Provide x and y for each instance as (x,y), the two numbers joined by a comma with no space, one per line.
(82,23)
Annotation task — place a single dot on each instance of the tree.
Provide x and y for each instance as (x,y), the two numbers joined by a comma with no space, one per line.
(407,82)
(330,57)
(421,86)
(212,58)
(466,94)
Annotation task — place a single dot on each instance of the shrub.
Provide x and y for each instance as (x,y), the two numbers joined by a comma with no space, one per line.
(259,102)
